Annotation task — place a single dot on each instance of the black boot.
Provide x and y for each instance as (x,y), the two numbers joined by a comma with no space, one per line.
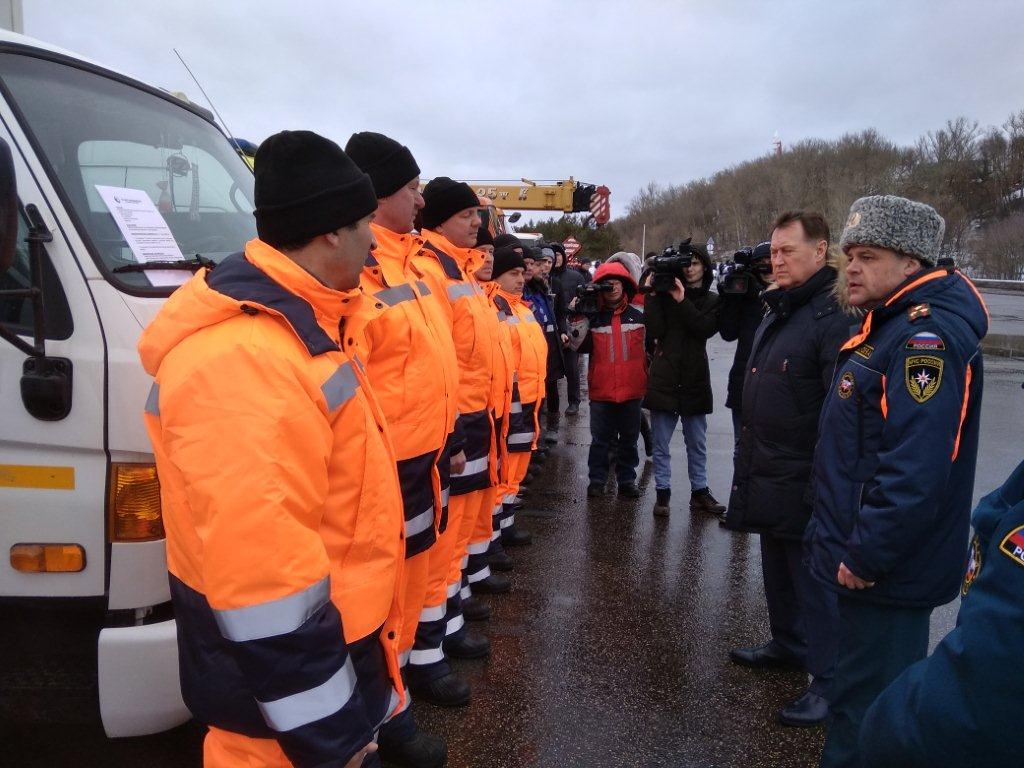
(514,537)
(448,691)
(422,750)
(629,491)
(661,508)
(495,584)
(475,609)
(467,645)
(703,501)
(500,562)
(595,489)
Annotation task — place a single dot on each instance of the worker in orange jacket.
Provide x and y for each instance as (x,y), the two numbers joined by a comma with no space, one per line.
(450,221)
(530,355)
(280,496)
(469,565)
(411,363)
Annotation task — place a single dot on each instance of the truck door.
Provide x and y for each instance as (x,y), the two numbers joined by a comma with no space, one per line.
(52,473)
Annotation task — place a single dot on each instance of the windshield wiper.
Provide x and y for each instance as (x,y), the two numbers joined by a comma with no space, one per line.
(196,262)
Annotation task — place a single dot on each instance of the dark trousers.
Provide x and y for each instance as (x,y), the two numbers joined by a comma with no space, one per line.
(614,427)
(571,358)
(802,612)
(877,643)
(552,403)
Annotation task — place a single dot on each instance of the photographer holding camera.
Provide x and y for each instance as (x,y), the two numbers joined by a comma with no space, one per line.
(613,336)
(741,311)
(681,315)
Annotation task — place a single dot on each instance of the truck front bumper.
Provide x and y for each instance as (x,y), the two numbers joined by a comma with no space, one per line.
(139,687)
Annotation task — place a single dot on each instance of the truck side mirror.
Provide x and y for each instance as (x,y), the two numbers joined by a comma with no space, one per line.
(8,208)
(46,382)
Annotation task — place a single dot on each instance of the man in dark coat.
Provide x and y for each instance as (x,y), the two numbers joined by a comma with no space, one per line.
(788,375)
(679,325)
(894,466)
(547,307)
(738,319)
(564,283)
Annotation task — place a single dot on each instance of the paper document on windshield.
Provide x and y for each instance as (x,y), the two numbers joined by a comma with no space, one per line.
(146,232)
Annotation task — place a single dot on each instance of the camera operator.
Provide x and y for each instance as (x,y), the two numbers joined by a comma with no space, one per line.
(681,314)
(788,376)
(741,311)
(617,375)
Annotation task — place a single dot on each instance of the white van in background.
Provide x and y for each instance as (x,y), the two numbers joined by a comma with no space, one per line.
(86,627)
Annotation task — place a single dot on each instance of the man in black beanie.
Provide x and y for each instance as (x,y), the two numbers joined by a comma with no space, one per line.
(410,357)
(284,521)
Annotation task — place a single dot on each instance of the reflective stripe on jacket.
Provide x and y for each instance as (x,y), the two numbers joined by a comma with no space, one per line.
(411,363)
(285,571)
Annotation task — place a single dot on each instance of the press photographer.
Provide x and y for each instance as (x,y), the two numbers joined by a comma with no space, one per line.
(681,314)
(741,311)
(613,336)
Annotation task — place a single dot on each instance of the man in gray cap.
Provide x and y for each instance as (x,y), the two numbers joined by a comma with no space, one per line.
(894,465)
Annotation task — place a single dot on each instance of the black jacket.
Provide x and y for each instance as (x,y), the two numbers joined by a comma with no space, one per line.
(679,379)
(564,283)
(789,373)
(738,318)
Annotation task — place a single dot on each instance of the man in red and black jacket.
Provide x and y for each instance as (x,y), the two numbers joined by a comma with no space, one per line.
(617,379)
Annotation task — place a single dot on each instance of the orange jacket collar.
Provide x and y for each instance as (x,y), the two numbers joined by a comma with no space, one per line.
(469,259)
(328,304)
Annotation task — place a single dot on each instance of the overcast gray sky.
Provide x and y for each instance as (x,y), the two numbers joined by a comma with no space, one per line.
(615,93)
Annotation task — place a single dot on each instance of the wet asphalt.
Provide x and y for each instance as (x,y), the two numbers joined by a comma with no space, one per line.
(611,650)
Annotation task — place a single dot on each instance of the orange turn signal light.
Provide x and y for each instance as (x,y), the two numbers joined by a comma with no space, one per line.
(133,509)
(48,558)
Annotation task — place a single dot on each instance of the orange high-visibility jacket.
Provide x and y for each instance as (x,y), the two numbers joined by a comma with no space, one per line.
(411,363)
(529,345)
(450,268)
(477,342)
(281,506)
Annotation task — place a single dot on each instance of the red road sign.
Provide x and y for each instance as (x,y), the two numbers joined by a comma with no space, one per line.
(572,246)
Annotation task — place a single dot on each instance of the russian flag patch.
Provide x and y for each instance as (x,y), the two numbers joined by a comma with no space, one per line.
(1012,545)
(927,341)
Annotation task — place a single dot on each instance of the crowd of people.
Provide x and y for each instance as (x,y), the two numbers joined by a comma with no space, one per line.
(344,416)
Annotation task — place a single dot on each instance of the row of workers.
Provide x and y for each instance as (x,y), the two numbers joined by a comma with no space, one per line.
(341,417)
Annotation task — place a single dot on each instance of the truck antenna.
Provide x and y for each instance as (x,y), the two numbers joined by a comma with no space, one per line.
(209,101)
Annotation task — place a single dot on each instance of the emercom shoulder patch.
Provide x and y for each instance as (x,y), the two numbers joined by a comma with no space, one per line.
(918,311)
(1012,545)
(973,566)
(864,351)
(923,376)
(926,342)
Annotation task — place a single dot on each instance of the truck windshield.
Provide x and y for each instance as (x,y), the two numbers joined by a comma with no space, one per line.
(96,131)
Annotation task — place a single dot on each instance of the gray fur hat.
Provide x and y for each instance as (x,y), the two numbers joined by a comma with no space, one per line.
(895,223)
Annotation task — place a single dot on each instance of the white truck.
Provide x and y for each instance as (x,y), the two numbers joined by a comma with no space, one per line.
(111,192)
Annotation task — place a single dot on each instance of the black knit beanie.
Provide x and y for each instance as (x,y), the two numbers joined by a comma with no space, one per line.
(443,198)
(306,186)
(390,165)
(506,240)
(505,260)
(483,236)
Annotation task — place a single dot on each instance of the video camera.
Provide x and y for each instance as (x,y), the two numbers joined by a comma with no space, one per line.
(668,268)
(747,262)
(589,297)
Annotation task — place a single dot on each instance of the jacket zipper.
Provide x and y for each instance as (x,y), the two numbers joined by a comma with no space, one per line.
(860,426)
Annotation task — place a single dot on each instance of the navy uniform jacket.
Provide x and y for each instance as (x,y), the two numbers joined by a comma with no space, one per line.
(893,471)
(961,706)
